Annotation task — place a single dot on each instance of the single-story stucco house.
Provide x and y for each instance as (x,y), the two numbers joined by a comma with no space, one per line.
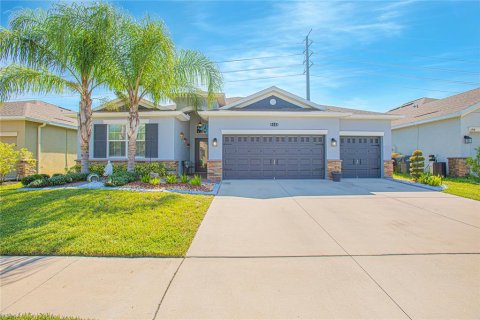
(271,134)
(448,129)
(46,130)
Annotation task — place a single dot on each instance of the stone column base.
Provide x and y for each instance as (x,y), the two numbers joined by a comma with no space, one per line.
(458,167)
(26,168)
(333,166)
(387,168)
(214,170)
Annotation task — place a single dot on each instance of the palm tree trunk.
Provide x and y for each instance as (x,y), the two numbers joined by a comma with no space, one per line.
(134,122)
(85,124)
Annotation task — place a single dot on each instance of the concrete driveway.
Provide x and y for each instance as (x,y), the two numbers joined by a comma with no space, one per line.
(282,249)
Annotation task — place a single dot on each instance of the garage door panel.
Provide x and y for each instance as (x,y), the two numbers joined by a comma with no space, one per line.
(360,157)
(273,157)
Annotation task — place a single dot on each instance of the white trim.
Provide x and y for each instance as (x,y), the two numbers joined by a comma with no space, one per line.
(287,96)
(8,134)
(284,114)
(56,124)
(362,133)
(375,117)
(276,131)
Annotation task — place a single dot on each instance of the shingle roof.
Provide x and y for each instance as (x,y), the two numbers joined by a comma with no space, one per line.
(232,99)
(354,111)
(429,109)
(38,110)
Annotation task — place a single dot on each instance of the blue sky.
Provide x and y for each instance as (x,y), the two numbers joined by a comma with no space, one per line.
(368,55)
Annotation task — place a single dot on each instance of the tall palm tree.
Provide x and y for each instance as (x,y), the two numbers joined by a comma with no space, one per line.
(148,65)
(66,48)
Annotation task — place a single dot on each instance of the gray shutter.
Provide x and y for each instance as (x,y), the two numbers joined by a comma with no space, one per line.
(151,140)
(99,140)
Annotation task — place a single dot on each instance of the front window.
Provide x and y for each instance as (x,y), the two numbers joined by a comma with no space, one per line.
(141,141)
(117,140)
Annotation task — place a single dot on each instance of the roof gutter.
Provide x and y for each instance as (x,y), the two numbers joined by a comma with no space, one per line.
(307,114)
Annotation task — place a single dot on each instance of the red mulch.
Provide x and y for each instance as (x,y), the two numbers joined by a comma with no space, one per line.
(207,187)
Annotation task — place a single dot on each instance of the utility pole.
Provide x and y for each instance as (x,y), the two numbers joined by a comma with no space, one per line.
(307,63)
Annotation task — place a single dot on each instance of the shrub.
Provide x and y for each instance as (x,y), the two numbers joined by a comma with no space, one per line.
(474,163)
(58,180)
(56,175)
(196,180)
(417,164)
(156,167)
(39,183)
(76,176)
(120,178)
(154,181)
(145,178)
(184,178)
(171,178)
(427,178)
(29,179)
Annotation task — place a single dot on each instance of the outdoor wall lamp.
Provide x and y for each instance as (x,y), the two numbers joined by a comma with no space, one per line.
(333,142)
(467,139)
(214,142)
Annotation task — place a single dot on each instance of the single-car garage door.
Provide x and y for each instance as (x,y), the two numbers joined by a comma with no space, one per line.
(360,156)
(273,157)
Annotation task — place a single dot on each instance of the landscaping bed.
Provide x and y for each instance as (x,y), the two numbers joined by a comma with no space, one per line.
(205,187)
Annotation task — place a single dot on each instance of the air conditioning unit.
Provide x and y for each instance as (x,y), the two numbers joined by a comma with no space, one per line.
(474,129)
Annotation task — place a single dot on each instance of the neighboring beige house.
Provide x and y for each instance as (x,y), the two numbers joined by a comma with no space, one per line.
(447,128)
(44,129)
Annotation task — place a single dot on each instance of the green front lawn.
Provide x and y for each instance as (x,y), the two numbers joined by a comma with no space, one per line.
(98,222)
(462,187)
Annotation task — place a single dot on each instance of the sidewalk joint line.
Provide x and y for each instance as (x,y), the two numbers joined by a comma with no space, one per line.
(166,290)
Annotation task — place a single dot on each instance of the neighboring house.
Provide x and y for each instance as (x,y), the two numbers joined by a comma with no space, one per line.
(269,134)
(447,128)
(46,130)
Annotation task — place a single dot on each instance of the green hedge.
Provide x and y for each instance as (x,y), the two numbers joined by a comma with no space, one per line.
(58,179)
(141,168)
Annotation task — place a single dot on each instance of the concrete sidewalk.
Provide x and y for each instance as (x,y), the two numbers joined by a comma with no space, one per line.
(363,249)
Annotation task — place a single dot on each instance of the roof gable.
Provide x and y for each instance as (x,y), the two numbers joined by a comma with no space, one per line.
(284,101)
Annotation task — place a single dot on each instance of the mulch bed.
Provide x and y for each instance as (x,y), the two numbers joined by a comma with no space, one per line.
(206,187)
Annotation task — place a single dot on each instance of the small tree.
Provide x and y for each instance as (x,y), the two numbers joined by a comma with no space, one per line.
(417,164)
(474,163)
(9,158)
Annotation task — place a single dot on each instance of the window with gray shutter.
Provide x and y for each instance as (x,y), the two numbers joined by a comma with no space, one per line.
(99,140)
(151,140)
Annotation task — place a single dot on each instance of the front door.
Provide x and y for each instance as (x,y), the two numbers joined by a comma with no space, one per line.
(201,154)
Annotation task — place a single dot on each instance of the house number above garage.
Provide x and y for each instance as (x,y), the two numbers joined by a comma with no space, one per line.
(273,124)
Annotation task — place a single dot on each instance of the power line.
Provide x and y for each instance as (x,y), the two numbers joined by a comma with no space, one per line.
(272,77)
(266,68)
(413,77)
(407,66)
(257,58)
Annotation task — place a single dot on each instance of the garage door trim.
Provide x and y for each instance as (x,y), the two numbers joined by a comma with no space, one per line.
(275,132)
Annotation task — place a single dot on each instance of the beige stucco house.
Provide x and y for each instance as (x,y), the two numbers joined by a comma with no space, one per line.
(44,129)
(448,129)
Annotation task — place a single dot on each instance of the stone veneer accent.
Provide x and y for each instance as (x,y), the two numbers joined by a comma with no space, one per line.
(333,166)
(171,165)
(25,168)
(458,167)
(387,168)
(214,170)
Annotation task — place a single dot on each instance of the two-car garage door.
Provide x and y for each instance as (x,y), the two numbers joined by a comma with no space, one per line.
(273,156)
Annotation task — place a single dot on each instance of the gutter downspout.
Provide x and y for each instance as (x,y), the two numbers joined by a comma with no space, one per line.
(39,144)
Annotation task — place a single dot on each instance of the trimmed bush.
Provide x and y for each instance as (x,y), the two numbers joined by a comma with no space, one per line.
(171,178)
(58,180)
(39,183)
(141,169)
(120,179)
(417,164)
(196,180)
(76,176)
(29,179)
(184,178)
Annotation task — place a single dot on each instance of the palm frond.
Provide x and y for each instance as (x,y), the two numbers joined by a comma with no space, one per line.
(16,79)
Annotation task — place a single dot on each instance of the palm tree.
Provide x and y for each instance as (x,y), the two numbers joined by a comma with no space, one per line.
(148,65)
(66,48)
